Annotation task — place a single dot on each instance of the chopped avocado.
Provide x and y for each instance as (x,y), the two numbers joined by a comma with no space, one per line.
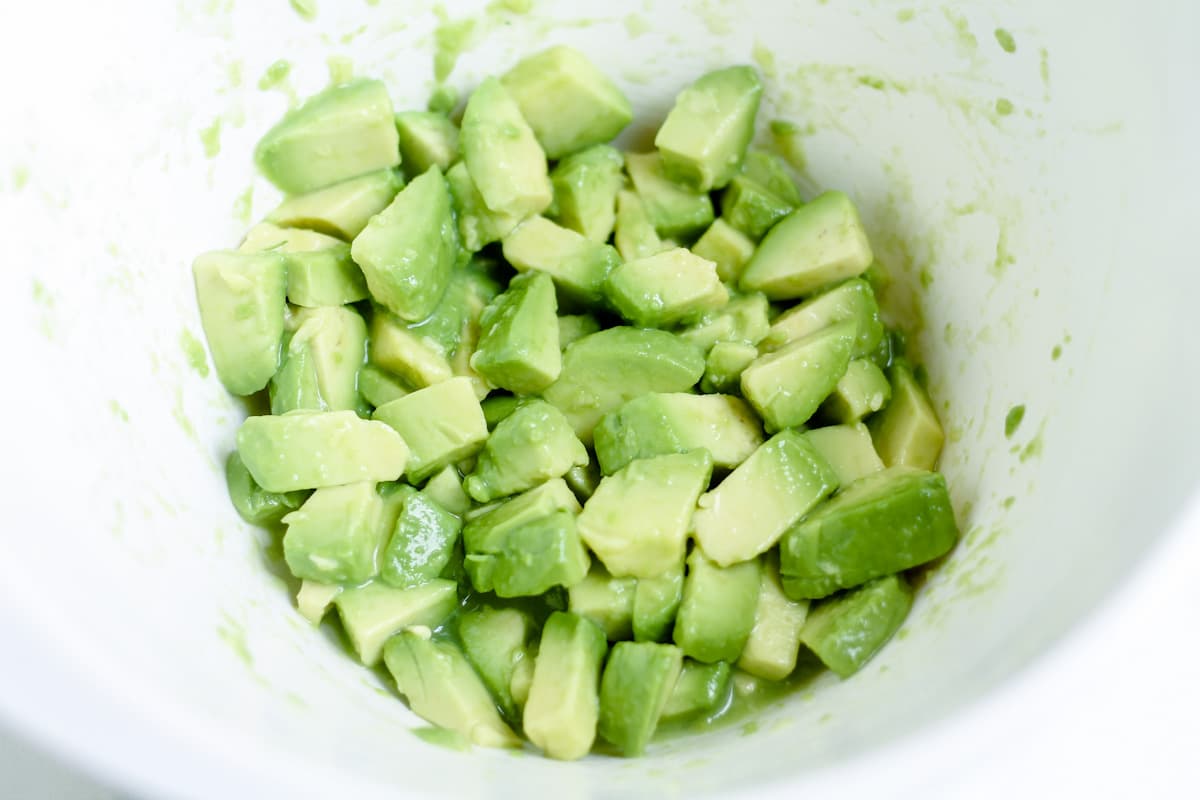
(700,689)
(567,101)
(706,133)
(314,449)
(336,535)
(445,489)
(751,208)
(907,432)
(373,613)
(862,391)
(717,612)
(847,631)
(769,171)
(815,245)
(495,641)
(637,521)
(669,287)
(502,156)
(453,325)
(585,190)
(343,209)
(724,366)
(325,352)
(269,236)
(743,319)
(340,133)
(658,424)
(421,543)
(637,682)
(408,250)
(326,277)
(564,699)
(748,512)
(602,371)
(405,352)
(727,247)
(497,407)
(788,385)
(578,265)
(633,232)
(583,480)
(518,343)
(314,599)
(427,139)
(252,503)
(674,210)
(655,603)
(774,642)
(606,601)
(847,449)
(459,432)
(575,326)
(478,226)
(852,300)
(241,299)
(530,446)
(443,688)
(379,387)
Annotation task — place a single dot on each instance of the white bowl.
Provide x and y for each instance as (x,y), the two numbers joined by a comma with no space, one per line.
(1050,249)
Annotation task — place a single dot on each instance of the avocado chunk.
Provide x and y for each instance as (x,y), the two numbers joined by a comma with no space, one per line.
(314,599)
(454,324)
(848,630)
(336,535)
(422,541)
(315,449)
(518,342)
(583,480)
(408,250)
(852,300)
(269,236)
(658,424)
(725,364)
(406,352)
(788,385)
(751,208)
(242,303)
(585,190)
(669,287)
(532,445)
(907,432)
(427,139)
(815,245)
(496,641)
(564,699)
(459,432)
(502,156)
(742,319)
(441,687)
(847,449)
(700,690)
(674,210)
(606,601)
(321,362)
(375,612)
(886,522)
(379,387)
(343,209)
(320,271)
(252,503)
(603,371)
(862,391)
(773,488)
(637,682)
(727,247)
(478,225)
(655,603)
(575,326)
(578,265)
(774,642)
(704,138)
(717,612)
(633,232)
(498,407)
(768,170)
(568,102)
(340,133)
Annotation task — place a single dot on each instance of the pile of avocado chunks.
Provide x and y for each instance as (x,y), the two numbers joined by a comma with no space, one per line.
(567,450)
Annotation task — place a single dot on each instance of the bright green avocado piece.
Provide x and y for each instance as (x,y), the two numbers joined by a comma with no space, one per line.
(374,613)
(851,300)
(336,535)
(585,190)
(530,446)
(774,642)
(442,424)
(324,354)
(700,689)
(768,170)
(846,631)
(343,209)
(563,708)
(907,432)
(787,386)
(673,209)
(862,391)
(313,599)
(578,265)
(666,288)
(575,326)
(406,352)
(637,681)
(378,386)
(502,155)
(518,342)
(320,270)
(724,366)
(422,541)
(478,225)
(496,641)
(655,603)
(751,208)
(445,489)
(847,449)
(427,139)
(634,234)
(717,612)
(742,319)
(727,247)
(605,600)
(252,502)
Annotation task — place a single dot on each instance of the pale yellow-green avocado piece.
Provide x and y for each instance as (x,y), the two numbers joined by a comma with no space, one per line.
(375,612)
(774,641)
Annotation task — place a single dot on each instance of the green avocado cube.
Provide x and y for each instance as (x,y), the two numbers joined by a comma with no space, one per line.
(343,209)
(751,208)
(421,542)
(575,326)
(847,449)
(585,190)
(717,612)
(886,522)
(496,641)
(700,689)
(320,271)
(454,324)
(427,139)
(669,287)
(638,679)
(518,341)
(727,247)
(416,359)
(378,386)
(673,209)
(788,385)
(578,265)
(269,236)
(817,244)
(605,600)
(724,366)
(242,304)
(704,138)
(769,171)
(340,133)
(445,489)
(324,354)
(848,630)
(569,103)
(774,642)
(530,446)
(655,603)
(498,407)
(254,504)
(314,599)
(851,300)
(375,612)
(583,480)
(756,503)
(742,319)
(907,432)
(633,232)
(502,155)
(442,424)
(336,535)
(862,391)
(478,225)
(563,708)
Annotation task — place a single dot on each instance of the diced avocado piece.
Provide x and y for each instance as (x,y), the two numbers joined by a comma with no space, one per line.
(602,371)
(445,489)
(674,210)
(454,324)
(700,689)
(788,385)
(724,366)
(743,319)
(907,432)
(655,603)
(658,424)
(340,133)
(478,225)
(315,449)
(530,446)
(638,679)
(375,612)
(336,535)
(502,156)
(862,391)
(408,250)
(421,543)
(314,599)
(343,209)
(378,386)
(497,408)
(705,135)
(847,449)
(637,521)
(242,304)
(815,245)
(329,345)
(416,359)
(569,103)
(269,236)
(575,326)
(848,630)
(325,278)
(495,641)
(606,601)
(634,233)
(769,171)
(774,642)
(717,612)
(748,512)
(442,687)
(294,385)
(522,680)
(427,139)
(666,288)
(727,247)
(583,480)
(578,265)
(585,190)
(886,522)
(751,208)
(441,424)
(564,699)
(852,300)
(252,503)
(518,343)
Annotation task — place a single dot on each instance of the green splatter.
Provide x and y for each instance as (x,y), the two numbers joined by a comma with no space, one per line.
(193,350)
(234,635)
(307,9)
(1033,447)
(210,137)
(788,140)
(1044,68)
(118,411)
(180,415)
(350,36)
(708,13)
(243,205)
(750,728)
(443,100)
(275,74)
(450,40)
(905,15)
(1004,106)
(765,59)
(964,39)
(1009,502)
(341,70)
(1012,420)
(1004,257)
(1056,353)
(636,25)
(1006,41)
(925,277)
(234,74)
(41,295)
(451,740)
(511,6)
(20,177)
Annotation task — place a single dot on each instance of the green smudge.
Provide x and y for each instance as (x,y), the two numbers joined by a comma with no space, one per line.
(341,70)
(181,418)
(966,42)
(925,277)
(636,25)
(716,22)
(1056,353)
(307,9)
(1012,420)
(275,74)
(243,205)
(511,6)
(210,137)
(350,36)
(118,411)
(905,15)
(873,82)
(234,74)
(193,351)
(1006,41)
(1009,502)
(451,740)
(788,141)
(41,295)
(1004,257)
(750,728)
(1004,106)
(1033,447)
(1044,68)
(450,40)
(443,100)
(233,634)
(20,177)
(765,59)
